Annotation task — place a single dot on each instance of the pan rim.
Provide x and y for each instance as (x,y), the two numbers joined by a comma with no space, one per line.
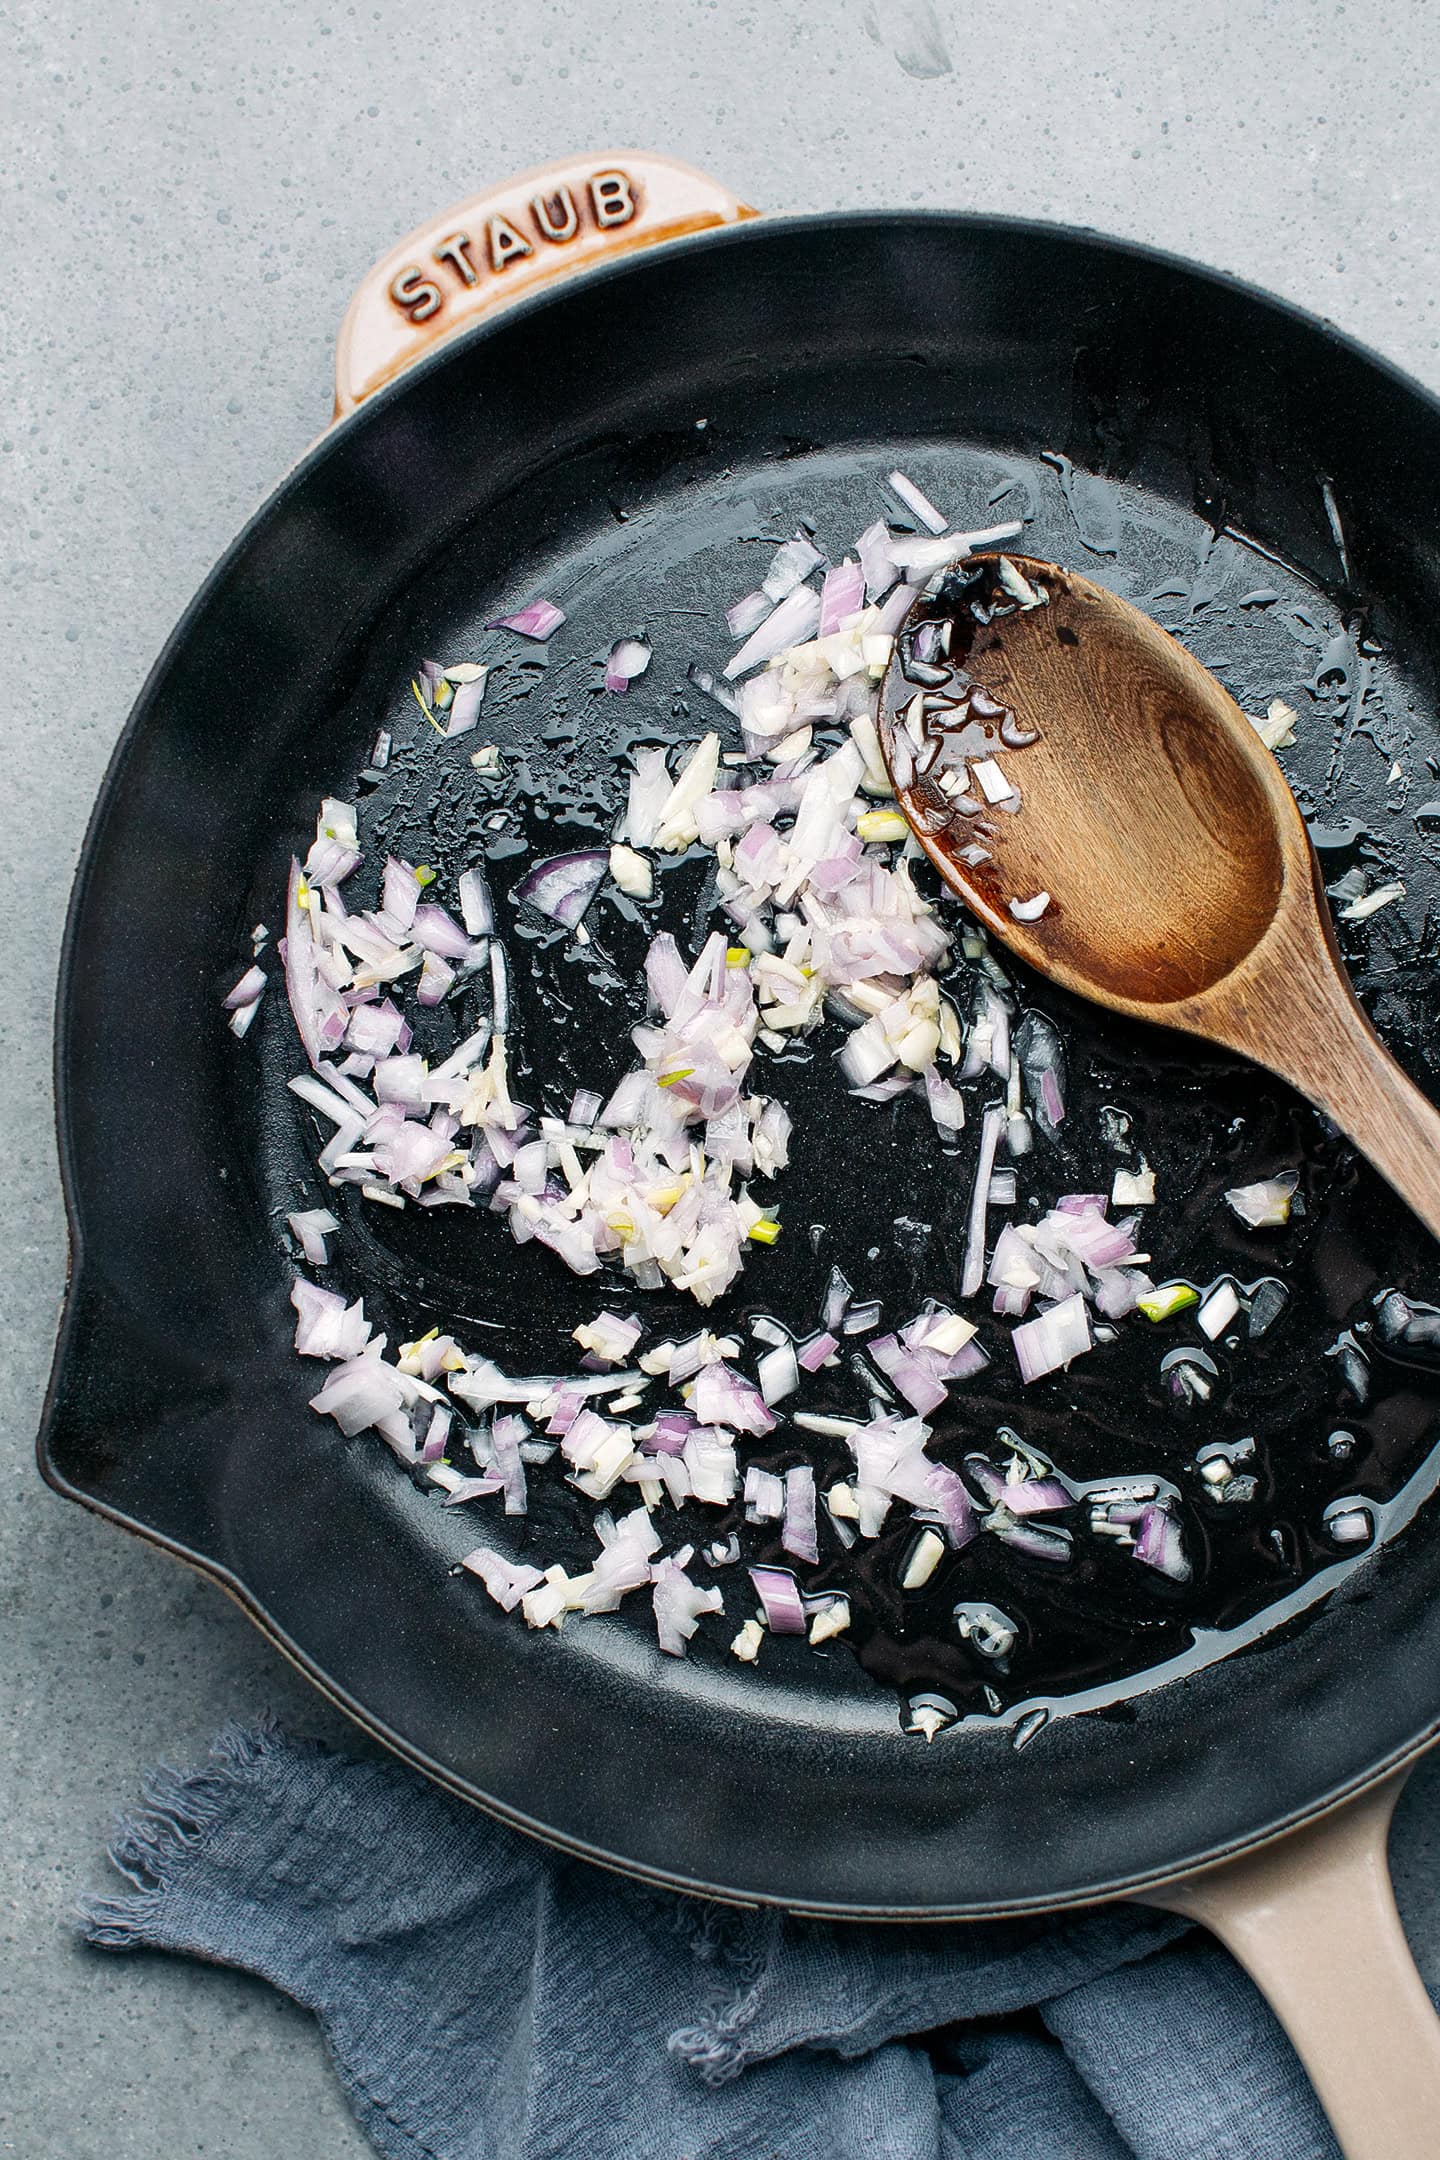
(1127,1889)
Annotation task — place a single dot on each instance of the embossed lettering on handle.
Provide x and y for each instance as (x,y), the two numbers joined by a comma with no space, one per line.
(496,248)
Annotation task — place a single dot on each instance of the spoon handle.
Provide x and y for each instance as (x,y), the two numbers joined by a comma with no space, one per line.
(1317,1037)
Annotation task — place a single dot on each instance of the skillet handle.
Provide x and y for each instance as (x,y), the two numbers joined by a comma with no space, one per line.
(1312,1919)
(497,247)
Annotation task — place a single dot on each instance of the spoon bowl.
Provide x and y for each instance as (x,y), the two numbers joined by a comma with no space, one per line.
(1108,811)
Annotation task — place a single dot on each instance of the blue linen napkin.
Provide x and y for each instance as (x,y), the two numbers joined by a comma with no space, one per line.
(487,1999)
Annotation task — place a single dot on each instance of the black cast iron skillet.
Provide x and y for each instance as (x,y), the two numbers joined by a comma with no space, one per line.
(609,440)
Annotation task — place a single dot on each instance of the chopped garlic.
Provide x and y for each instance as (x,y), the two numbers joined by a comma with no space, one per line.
(923,1561)
(1218,1310)
(1372,903)
(1133,1188)
(631,872)
(1265,1205)
(831,1620)
(992,782)
(746,1645)
(919,1045)
(790,746)
(547,1604)
(1276,728)
(1019,587)
(874,779)
(946,1333)
(675,827)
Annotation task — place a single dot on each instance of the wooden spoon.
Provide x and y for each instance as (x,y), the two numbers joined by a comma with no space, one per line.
(1183,888)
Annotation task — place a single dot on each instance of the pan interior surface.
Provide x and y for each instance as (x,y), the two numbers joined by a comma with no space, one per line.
(1277,515)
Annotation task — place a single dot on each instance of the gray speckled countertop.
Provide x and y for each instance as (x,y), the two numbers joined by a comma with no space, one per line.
(189,194)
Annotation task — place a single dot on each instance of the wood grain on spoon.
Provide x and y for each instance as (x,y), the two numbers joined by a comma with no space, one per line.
(1183,886)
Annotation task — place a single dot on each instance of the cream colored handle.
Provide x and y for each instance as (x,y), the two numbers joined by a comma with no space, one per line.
(497,247)
(1312,1919)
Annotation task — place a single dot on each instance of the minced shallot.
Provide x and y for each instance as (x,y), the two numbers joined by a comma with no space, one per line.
(668,1179)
